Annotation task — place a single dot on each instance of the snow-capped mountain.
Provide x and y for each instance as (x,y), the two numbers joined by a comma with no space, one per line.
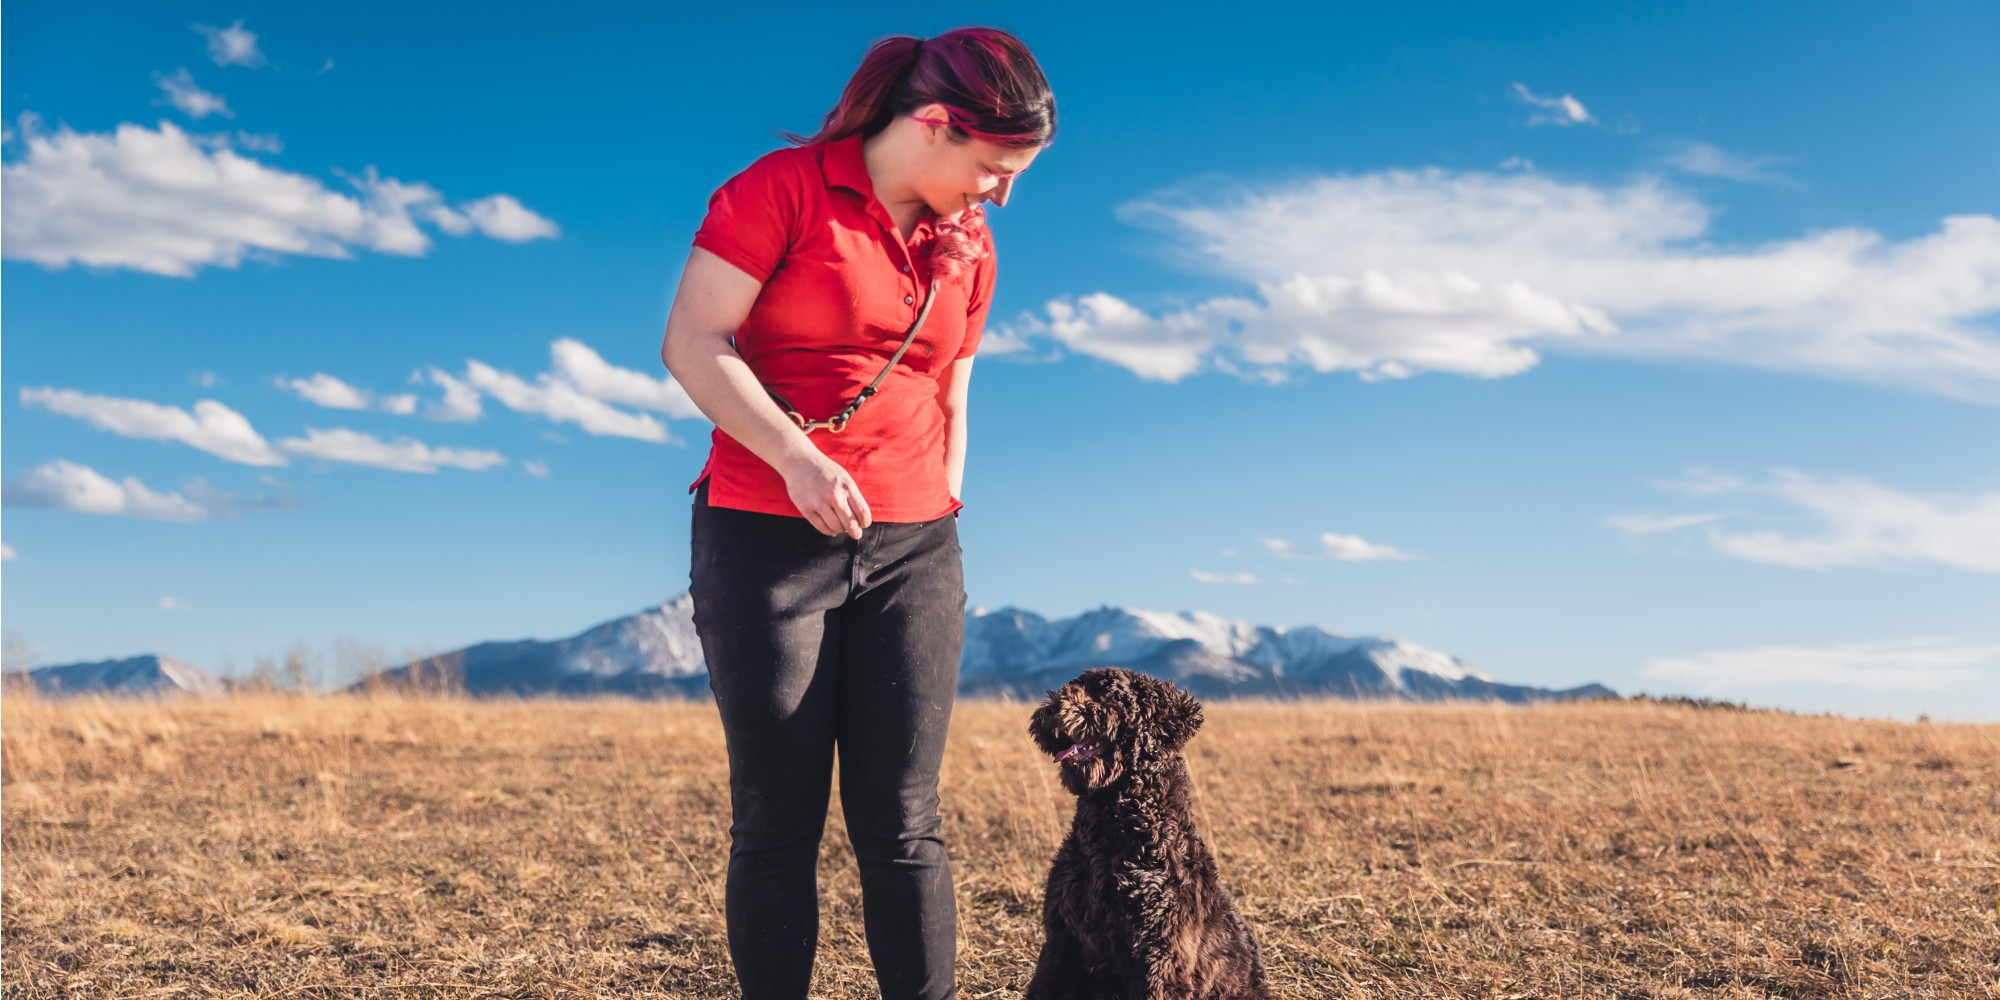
(654,653)
(135,675)
(1017,652)
(1007,652)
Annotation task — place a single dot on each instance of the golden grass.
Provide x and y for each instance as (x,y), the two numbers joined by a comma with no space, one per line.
(321,846)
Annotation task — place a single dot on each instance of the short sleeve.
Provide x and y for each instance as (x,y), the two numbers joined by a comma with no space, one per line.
(980,302)
(752,215)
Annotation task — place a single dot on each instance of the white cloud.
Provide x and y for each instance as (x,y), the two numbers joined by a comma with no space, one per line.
(1710,161)
(536,468)
(232,46)
(65,485)
(1207,577)
(1167,348)
(341,444)
(228,504)
(1564,110)
(581,388)
(259,142)
(328,391)
(7,553)
(500,217)
(206,380)
(1859,523)
(172,604)
(1402,272)
(1346,548)
(557,399)
(460,403)
(1642,523)
(1352,548)
(182,92)
(325,390)
(1907,665)
(164,202)
(212,427)
(584,368)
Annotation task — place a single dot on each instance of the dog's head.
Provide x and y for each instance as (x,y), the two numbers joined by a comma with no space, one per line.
(1109,722)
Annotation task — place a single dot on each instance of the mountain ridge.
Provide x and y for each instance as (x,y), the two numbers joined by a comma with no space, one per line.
(1008,652)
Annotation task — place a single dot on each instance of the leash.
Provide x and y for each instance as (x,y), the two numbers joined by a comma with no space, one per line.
(838,421)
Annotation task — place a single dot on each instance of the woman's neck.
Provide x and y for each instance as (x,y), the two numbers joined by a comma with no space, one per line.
(886,168)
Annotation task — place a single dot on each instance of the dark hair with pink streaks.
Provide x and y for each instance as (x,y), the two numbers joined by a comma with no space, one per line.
(991,89)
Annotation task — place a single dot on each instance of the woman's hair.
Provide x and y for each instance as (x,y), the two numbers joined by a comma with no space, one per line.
(990,86)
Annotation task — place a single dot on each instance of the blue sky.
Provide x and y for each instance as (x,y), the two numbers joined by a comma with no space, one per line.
(1586,342)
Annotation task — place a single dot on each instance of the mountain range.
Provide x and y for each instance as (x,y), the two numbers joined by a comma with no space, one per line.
(1008,652)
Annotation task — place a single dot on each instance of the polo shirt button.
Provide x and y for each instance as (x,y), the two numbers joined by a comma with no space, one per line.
(906,268)
(909,300)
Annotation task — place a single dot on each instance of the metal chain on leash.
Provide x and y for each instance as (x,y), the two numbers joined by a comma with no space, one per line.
(838,421)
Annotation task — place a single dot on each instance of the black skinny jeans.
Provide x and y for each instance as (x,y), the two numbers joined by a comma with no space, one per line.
(815,642)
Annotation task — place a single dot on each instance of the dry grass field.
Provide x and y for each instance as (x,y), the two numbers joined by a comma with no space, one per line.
(280,845)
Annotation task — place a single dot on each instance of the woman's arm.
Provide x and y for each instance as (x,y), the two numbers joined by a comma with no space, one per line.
(952,395)
(711,303)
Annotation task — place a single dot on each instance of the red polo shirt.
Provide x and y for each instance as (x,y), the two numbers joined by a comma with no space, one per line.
(841,288)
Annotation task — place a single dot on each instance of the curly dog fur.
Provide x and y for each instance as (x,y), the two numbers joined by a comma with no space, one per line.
(1134,909)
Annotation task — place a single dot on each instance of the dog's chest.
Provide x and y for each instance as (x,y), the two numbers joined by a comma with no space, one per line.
(1108,878)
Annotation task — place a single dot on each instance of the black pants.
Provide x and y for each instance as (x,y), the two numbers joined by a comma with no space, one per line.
(815,642)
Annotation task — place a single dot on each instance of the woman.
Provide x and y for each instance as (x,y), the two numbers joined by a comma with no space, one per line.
(826,574)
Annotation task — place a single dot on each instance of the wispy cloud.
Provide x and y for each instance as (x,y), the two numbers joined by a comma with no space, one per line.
(212,427)
(232,46)
(1564,110)
(226,504)
(1899,665)
(461,400)
(1859,523)
(582,389)
(1642,523)
(556,399)
(500,217)
(584,368)
(1205,576)
(325,390)
(163,202)
(259,142)
(1711,161)
(1393,274)
(536,468)
(182,92)
(173,604)
(341,444)
(1346,548)
(7,553)
(65,485)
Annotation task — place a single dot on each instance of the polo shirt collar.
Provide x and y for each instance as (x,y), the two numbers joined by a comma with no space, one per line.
(843,165)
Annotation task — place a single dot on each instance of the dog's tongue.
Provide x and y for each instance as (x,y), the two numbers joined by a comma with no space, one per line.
(1076,750)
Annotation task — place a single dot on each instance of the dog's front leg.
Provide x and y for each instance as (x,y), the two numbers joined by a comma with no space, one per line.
(1060,972)
(1163,974)
(1168,940)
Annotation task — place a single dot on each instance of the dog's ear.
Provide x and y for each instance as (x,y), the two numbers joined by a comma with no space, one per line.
(1176,714)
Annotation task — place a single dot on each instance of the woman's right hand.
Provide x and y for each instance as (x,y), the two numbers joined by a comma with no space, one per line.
(827,496)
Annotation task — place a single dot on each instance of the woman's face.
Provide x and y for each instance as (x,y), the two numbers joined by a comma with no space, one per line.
(960,175)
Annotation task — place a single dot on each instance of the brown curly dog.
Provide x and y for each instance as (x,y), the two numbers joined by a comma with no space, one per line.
(1134,909)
